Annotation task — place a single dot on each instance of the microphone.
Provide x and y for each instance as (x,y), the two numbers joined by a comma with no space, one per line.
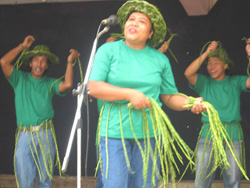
(110,21)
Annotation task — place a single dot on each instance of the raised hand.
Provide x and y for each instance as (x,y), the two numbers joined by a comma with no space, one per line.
(28,41)
(74,54)
(212,46)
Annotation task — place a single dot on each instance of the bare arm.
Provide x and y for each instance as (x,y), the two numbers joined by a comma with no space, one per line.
(177,102)
(191,70)
(108,92)
(248,55)
(6,60)
(69,74)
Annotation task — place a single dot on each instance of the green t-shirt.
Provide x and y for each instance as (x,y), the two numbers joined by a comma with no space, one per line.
(33,101)
(224,95)
(146,70)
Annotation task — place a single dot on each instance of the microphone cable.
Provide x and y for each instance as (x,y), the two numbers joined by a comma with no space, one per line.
(88,124)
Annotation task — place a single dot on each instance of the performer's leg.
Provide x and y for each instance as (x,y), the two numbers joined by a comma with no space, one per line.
(232,176)
(49,151)
(202,168)
(117,167)
(137,179)
(25,165)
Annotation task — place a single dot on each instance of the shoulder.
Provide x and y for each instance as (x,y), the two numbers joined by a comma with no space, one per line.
(202,76)
(109,45)
(49,80)
(237,79)
(15,71)
(201,79)
(158,56)
(107,49)
(156,52)
(19,73)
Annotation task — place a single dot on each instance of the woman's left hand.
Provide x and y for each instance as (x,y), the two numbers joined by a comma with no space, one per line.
(198,107)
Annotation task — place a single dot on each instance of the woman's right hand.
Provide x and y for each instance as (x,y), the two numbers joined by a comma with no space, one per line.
(138,99)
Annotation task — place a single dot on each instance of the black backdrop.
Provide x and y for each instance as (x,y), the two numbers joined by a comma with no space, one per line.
(73,25)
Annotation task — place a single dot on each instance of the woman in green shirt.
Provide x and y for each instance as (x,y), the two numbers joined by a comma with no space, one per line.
(131,71)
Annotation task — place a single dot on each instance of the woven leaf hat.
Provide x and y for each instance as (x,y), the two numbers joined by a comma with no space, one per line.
(221,53)
(159,25)
(40,50)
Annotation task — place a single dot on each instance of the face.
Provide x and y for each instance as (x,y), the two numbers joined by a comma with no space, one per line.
(38,65)
(137,30)
(216,68)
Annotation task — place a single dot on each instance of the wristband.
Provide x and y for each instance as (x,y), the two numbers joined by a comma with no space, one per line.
(70,62)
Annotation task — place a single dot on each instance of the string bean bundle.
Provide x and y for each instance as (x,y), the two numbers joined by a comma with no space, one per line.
(169,138)
(218,137)
(168,145)
(172,35)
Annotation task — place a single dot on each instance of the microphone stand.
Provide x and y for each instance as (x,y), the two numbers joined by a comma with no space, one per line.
(81,92)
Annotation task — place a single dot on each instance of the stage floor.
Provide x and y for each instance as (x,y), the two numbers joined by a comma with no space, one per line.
(8,181)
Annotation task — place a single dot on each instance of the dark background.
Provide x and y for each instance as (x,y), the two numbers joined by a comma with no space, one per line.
(74,25)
